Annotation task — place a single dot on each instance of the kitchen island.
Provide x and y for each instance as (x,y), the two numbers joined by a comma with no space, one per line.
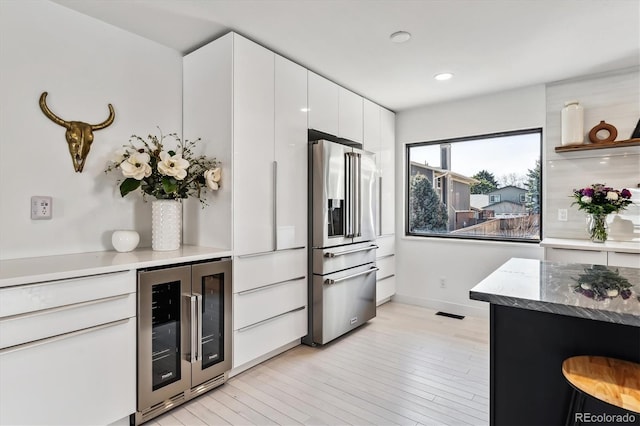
(544,312)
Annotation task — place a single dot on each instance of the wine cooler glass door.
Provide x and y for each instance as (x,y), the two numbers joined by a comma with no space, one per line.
(211,286)
(162,367)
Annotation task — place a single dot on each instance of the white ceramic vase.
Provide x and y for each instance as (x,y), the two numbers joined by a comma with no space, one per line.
(166,224)
(125,240)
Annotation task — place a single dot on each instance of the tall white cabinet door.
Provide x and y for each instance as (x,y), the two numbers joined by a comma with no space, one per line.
(371,127)
(350,119)
(371,143)
(387,167)
(253,132)
(323,104)
(291,153)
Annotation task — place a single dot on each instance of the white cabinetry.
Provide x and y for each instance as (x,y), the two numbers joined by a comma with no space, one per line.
(625,254)
(379,138)
(268,175)
(67,352)
(334,109)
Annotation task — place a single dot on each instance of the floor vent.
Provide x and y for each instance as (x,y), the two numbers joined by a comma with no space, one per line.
(447,314)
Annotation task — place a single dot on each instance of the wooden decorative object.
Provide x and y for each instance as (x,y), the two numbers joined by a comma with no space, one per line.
(613,381)
(613,133)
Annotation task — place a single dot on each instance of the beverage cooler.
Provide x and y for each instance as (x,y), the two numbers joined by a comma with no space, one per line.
(184,334)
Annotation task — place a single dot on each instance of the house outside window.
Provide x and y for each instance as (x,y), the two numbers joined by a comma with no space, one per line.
(475,188)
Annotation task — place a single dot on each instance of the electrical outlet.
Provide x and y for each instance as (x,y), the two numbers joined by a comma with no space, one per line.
(41,208)
(443,282)
(562,215)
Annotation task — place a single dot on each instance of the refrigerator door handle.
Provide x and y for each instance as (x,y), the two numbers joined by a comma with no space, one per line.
(342,253)
(348,216)
(194,356)
(358,197)
(380,206)
(199,327)
(348,277)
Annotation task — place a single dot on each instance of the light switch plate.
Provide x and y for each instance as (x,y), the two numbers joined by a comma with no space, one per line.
(41,207)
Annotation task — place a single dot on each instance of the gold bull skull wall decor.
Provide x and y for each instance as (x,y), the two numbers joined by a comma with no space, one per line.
(79,135)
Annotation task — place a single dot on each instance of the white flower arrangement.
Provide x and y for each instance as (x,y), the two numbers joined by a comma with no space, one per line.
(165,174)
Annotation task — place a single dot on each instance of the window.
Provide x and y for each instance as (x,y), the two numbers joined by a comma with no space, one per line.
(480,187)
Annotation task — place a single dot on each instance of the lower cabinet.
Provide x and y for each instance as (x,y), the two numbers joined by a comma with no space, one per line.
(269,303)
(611,258)
(59,363)
(386,263)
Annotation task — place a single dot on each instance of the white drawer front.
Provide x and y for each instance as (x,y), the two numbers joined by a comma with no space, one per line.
(256,271)
(259,304)
(386,267)
(576,256)
(52,322)
(85,378)
(385,288)
(386,245)
(629,260)
(35,297)
(253,342)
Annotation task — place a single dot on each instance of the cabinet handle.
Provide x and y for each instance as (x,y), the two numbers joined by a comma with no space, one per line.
(265,253)
(36,343)
(348,277)
(275,205)
(194,356)
(342,253)
(67,307)
(380,206)
(199,329)
(253,290)
(248,327)
(386,278)
(385,256)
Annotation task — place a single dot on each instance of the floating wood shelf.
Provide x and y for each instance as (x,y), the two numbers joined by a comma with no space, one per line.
(598,145)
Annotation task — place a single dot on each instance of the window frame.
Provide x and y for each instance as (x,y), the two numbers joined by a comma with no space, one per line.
(407,177)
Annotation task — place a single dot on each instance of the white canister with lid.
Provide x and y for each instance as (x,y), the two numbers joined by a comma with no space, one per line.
(572,123)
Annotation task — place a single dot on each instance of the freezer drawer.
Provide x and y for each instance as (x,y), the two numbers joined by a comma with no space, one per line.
(343,301)
(330,260)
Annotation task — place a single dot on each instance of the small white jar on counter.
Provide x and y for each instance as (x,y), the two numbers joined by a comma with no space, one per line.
(572,123)
(125,240)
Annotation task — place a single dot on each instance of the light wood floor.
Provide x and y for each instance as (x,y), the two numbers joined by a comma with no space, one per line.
(405,367)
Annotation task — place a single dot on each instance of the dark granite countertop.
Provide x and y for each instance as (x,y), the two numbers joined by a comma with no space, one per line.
(602,293)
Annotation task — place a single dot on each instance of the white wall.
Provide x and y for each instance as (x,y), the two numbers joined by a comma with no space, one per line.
(614,98)
(422,262)
(84,64)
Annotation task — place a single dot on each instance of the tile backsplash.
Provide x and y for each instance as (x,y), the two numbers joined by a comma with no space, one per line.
(614,98)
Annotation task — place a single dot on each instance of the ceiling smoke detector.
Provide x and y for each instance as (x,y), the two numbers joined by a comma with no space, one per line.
(400,36)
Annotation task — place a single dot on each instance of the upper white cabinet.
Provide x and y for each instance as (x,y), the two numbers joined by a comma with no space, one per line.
(249,106)
(379,138)
(254,203)
(350,109)
(334,109)
(290,153)
(324,97)
(386,163)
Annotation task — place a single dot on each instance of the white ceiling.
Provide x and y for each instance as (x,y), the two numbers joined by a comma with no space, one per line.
(490,45)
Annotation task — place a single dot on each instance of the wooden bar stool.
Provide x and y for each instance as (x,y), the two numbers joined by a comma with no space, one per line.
(610,380)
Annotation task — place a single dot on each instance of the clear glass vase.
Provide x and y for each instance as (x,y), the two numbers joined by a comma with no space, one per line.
(597,227)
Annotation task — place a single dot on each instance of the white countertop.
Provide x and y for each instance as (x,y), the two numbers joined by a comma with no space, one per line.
(48,268)
(617,246)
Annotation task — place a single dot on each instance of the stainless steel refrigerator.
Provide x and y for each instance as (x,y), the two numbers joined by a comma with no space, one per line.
(343,194)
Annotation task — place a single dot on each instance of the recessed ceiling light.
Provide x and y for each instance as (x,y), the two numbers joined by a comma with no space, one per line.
(443,76)
(400,37)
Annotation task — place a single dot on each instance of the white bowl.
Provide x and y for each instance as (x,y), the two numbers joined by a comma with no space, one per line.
(124,241)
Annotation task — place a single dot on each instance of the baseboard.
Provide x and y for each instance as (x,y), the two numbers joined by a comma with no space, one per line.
(263,358)
(442,305)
